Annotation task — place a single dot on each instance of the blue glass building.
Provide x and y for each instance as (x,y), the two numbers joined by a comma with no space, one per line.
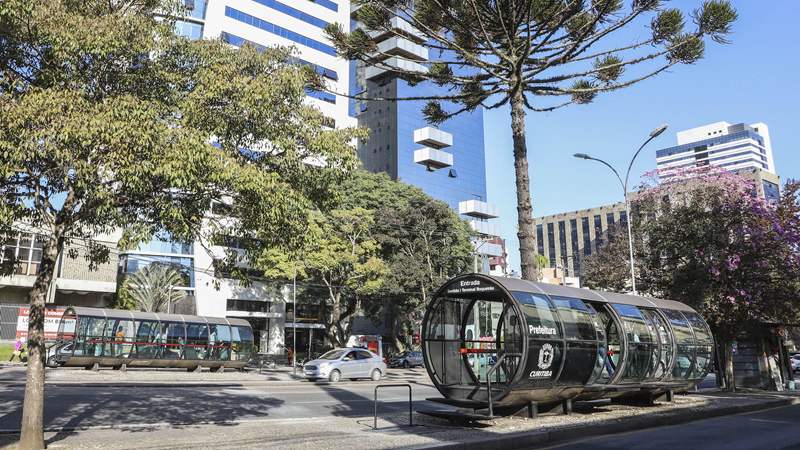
(391,145)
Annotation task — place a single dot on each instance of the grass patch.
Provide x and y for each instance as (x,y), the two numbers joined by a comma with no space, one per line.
(7,350)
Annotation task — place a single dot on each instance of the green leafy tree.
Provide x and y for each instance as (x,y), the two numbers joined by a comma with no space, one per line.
(541,261)
(608,269)
(152,287)
(340,271)
(374,191)
(95,136)
(424,245)
(536,55)
(710,240)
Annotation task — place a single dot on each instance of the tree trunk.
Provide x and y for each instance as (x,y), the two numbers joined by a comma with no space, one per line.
(32,433)
(727,359)
(525,233)
(397,345)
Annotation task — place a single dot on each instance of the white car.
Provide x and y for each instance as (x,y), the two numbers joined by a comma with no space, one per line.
(795,363)
(352,363)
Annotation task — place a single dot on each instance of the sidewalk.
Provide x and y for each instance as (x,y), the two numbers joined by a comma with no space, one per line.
(357,433)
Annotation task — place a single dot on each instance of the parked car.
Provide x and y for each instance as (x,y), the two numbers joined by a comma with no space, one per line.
(407,359)
(795,364)
(352,363)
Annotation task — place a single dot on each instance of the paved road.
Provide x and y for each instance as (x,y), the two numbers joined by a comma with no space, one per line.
(84,407)
(774,429)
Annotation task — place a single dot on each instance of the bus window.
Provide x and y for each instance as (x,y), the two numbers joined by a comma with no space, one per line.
(196,340)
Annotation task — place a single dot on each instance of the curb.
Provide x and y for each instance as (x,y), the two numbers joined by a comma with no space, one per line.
(194,384)
(528,439)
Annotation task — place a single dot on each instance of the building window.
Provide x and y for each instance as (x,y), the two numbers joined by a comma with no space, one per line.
(540,239)
(598,232)
(576,265)
(288,10)
(248,305)
(27,251)
(280,31)
(610,225)
(562,241)
(770,191)
(327,4)
(587,238)
(551,244)
(191,30)
(325,72)
(321,96)
(132,262)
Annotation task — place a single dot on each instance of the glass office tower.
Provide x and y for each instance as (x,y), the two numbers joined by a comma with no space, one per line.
(391,145)
(447,161)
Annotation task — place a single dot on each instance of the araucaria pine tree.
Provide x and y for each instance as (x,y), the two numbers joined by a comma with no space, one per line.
(536,55)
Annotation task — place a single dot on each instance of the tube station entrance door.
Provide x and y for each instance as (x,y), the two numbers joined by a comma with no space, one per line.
(464,340)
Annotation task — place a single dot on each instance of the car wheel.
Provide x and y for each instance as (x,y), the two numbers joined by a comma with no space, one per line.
(375,375)
(51,361)
(335,376)
(406,365)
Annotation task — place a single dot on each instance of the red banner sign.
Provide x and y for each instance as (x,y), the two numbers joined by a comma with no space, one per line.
(51,319)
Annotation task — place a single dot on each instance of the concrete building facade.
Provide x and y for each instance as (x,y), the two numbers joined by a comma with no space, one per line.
(74,283)
(568,238)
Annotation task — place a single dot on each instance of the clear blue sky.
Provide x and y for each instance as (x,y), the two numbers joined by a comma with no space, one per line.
(751,80)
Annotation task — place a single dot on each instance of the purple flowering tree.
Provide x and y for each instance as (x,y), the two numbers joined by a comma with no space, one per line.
(709,239)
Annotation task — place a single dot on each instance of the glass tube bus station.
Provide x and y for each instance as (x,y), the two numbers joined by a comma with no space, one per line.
(122,338)
(507,344)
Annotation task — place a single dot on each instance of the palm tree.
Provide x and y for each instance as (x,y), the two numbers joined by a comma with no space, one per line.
(151,287)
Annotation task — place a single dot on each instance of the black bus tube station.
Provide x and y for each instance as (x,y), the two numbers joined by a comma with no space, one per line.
(507,344)
(93,337)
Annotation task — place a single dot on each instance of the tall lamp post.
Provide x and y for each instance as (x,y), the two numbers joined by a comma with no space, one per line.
(294,321)
(624,184)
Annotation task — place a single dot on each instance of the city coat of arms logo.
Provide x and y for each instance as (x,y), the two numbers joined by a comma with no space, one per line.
(546,356)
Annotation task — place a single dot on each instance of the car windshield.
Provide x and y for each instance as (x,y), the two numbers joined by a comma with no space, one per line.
(333,354)
(403,354)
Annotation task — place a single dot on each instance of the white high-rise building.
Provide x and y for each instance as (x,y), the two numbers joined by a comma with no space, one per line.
(264,23)
(734,147)
(287,23)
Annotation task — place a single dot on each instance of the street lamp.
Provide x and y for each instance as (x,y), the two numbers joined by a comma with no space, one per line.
(294,313)
(294,320)
(624,184)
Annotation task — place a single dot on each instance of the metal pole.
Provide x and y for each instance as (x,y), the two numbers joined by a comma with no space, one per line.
(294,320)
(655,133)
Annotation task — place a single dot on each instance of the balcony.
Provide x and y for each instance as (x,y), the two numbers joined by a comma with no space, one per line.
(479,209)
(354,11)
(401,27)
(405,48)
(432,137)
(485,228)
(433,159)
(372,72)
(488,249)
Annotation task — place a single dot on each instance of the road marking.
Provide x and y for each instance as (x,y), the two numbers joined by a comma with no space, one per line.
(772,421)
(344,401)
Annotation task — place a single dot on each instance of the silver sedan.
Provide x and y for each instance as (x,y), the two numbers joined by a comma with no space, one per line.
(352,363)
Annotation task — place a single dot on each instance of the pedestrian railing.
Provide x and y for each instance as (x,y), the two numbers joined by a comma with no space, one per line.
(375,423)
